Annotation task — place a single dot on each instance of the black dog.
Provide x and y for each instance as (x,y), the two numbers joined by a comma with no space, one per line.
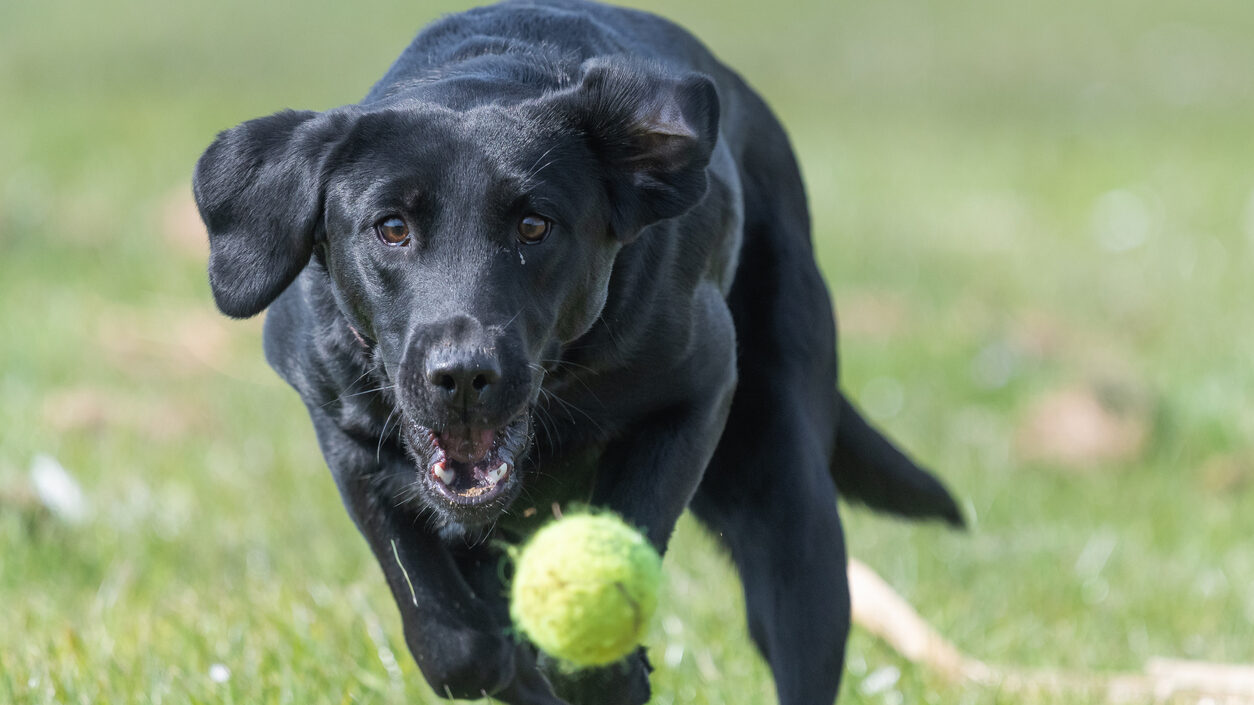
(559,254)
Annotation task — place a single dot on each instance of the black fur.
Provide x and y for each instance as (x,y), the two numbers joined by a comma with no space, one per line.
(669,345)
(870,469)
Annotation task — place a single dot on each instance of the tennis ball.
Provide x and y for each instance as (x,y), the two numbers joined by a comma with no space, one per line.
(585,587)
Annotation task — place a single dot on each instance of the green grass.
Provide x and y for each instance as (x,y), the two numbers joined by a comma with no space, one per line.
(983,177)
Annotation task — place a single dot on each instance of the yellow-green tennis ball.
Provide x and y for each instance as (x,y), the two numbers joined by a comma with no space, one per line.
(585,587)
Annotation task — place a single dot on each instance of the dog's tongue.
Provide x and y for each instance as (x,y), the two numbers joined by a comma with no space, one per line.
(467,445)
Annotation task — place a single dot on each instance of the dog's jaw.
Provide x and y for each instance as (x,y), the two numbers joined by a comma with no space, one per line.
(471,478)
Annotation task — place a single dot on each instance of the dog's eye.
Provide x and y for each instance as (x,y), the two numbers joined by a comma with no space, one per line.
(533,229)
(393,231)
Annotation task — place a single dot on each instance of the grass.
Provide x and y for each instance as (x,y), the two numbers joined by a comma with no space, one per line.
(1009,200)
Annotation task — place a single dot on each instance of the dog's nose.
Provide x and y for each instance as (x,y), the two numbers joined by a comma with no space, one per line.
(460,378)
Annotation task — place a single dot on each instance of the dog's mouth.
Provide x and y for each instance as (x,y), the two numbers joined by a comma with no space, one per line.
(469,466)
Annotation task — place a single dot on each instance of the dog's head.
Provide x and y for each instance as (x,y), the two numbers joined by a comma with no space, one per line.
(466,244)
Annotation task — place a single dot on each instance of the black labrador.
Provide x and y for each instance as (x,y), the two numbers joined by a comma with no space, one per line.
(559,254)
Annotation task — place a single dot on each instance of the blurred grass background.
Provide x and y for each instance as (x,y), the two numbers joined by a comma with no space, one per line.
(1037,219)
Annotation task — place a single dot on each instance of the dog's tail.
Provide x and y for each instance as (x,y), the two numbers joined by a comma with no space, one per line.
(870,469)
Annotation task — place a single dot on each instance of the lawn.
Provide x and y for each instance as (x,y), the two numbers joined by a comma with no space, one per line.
(1037,219)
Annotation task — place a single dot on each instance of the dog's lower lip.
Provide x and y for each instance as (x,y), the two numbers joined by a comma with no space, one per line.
(464,483)
(486,482)
(466,468)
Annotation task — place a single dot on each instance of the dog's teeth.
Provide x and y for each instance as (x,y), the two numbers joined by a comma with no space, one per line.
(496,475)
(446,476)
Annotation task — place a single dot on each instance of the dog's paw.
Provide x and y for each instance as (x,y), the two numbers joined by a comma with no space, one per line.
(529,686)
(622,683)
(484,665)
(470,666)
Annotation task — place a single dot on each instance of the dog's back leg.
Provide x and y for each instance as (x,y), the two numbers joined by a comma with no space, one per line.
(768,493)
(768,497)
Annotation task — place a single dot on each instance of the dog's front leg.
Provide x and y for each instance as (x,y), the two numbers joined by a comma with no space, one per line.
(650,474)
(460,646)
(647,480)
(649,477)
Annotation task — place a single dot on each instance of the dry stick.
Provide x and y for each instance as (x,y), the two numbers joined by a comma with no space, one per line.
(878,609)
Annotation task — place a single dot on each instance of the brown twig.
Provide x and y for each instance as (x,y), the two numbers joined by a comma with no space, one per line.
(878,609)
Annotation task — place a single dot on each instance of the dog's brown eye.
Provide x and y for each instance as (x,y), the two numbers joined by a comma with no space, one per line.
(533,229)
(393,231)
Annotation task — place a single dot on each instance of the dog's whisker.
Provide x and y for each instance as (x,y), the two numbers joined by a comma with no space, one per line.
(568,407)
(545,418)
(569,363)
(376,390)
(401,496)
(378,450)
(352,384)
(532,177)
(577,378)
(562,406)
(533,171)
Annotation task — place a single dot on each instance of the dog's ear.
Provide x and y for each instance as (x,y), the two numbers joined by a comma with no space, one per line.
(654,131)
(259,188)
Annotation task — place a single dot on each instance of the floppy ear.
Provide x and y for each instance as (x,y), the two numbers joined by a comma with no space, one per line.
(655,132)
(259,188)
